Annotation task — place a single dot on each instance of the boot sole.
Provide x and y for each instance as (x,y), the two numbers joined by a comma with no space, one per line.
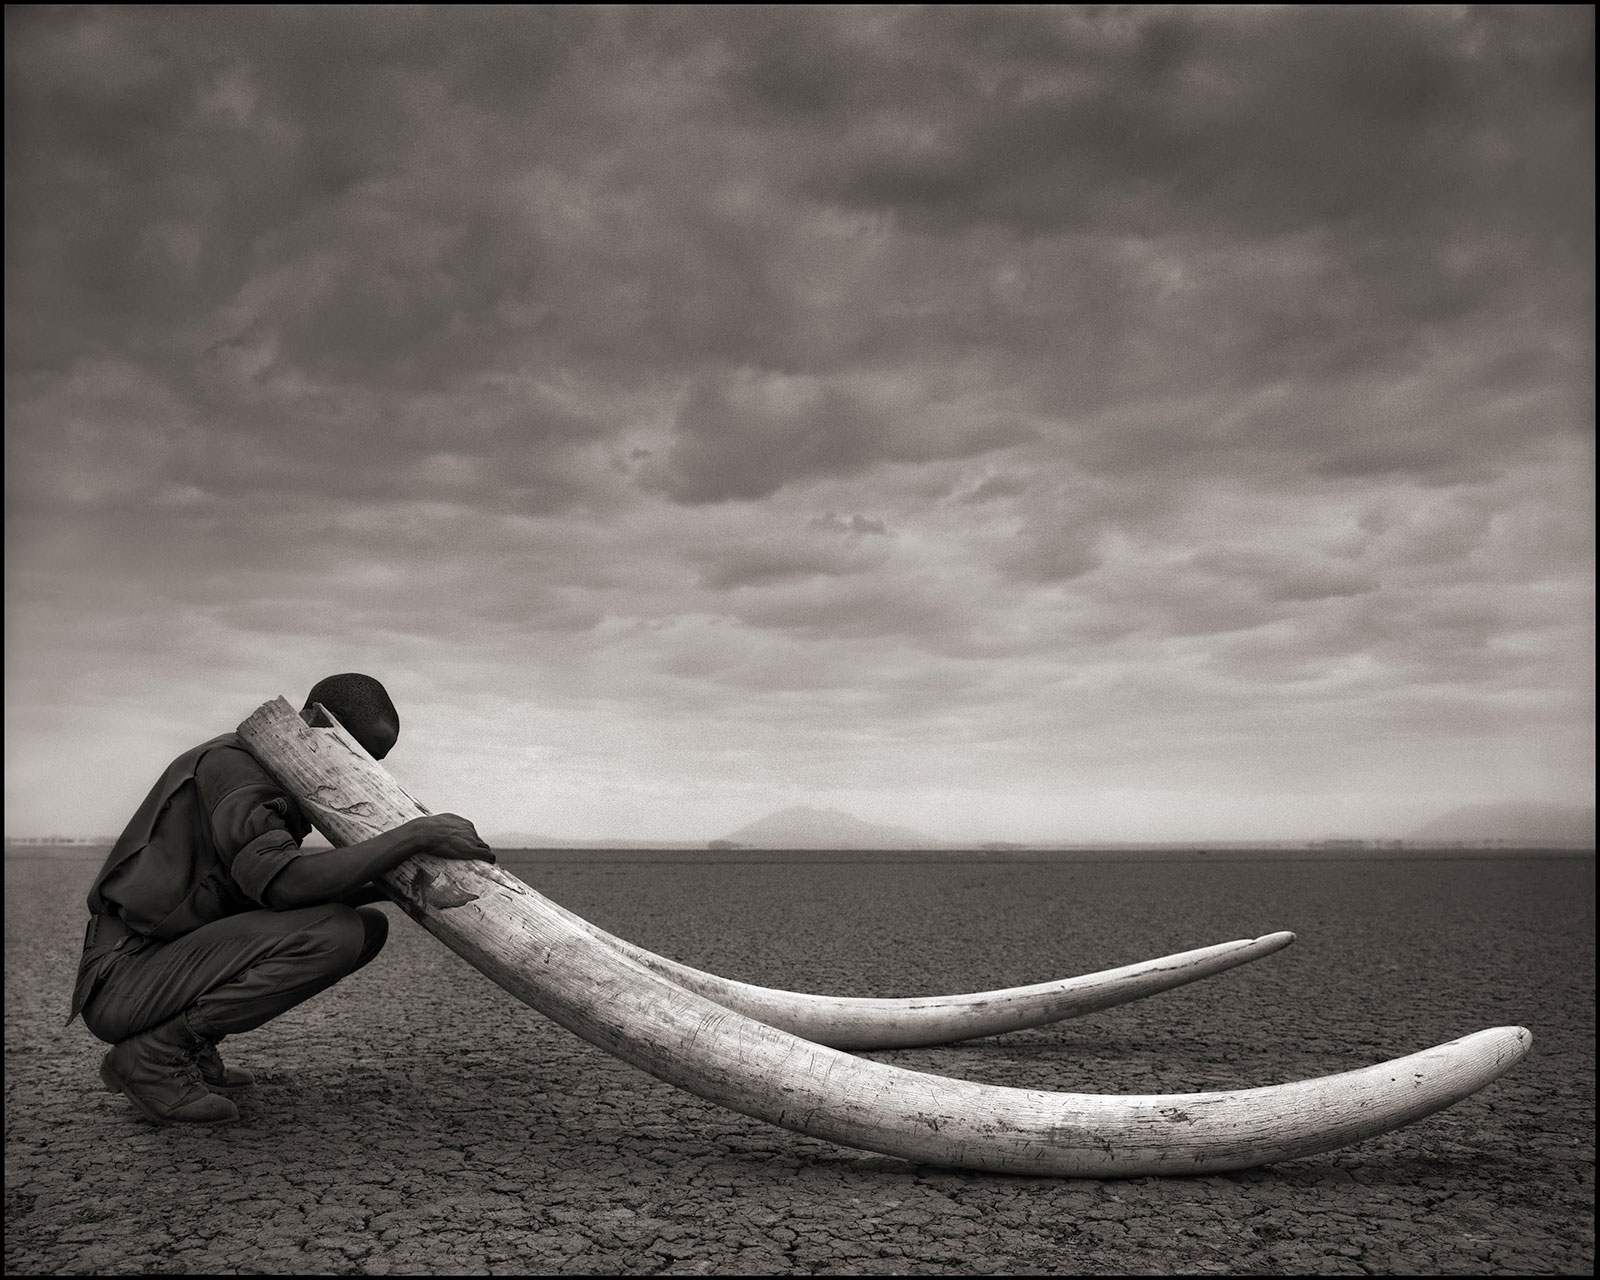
(114,1084)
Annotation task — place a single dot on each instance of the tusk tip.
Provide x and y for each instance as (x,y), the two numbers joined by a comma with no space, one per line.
(1507,1045)
(1276,941)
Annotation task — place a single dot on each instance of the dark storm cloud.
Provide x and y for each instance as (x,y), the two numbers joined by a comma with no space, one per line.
(203,207)
(1262,122)
(1083,383)
(297,223)
(299,227)
(747,435)
(1315,195)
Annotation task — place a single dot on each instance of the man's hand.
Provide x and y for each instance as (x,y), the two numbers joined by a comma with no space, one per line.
(448,835)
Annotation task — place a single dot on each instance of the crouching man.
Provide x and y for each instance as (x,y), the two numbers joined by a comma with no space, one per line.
(208,919)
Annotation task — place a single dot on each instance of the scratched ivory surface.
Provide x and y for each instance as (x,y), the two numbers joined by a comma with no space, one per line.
(417,1120)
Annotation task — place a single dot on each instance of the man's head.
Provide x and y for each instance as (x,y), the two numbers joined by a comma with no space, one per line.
(363,707)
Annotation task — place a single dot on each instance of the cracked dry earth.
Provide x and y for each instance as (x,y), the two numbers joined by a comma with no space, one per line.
(417,1120)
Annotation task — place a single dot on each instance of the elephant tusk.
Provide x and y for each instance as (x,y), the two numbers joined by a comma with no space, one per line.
(864,1022)
(531,948)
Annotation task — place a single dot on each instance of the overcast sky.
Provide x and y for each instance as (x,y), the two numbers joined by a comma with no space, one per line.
(1010,423)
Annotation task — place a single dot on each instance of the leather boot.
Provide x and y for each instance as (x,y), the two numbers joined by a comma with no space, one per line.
(215,1074)
(158,1072)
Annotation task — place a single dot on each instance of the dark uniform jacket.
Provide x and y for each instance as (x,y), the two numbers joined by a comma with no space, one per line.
(205,844)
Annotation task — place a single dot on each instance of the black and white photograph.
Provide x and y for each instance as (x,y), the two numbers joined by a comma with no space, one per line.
(946,640)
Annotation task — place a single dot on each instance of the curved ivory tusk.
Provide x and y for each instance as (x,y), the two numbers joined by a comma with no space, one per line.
(864,1022)
(520,940)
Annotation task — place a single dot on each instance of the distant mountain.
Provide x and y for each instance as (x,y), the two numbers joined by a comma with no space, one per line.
(806,828)
(1526,823)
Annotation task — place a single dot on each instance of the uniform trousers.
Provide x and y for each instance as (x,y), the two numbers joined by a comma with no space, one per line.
(234,974)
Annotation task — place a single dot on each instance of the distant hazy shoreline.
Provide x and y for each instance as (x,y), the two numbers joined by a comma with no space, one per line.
(1190,853)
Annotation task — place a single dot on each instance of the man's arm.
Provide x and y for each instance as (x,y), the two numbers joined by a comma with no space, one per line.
(329,875)
(251,819)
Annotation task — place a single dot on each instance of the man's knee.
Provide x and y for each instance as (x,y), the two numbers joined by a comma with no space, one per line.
(355,934)
(332,937)
(374,932)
